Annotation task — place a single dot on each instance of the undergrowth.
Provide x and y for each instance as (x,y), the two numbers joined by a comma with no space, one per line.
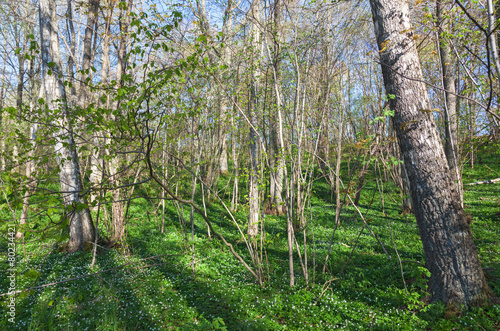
(151,285)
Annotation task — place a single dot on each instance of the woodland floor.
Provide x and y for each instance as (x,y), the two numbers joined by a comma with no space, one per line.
(163,293)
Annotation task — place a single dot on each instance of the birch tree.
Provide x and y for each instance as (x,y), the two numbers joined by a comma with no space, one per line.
(81,228)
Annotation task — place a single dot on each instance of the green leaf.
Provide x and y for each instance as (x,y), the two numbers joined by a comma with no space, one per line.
(32,273)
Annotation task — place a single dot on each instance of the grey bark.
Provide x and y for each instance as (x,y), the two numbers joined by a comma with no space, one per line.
(337,166)
(224,101)
(81,228)
(95,162)
(93,7)
(277,173)
(457,278)
(493,37)
(72,41)
(253,191)
(450,105)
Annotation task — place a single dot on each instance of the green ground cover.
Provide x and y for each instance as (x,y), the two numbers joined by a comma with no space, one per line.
(159,291)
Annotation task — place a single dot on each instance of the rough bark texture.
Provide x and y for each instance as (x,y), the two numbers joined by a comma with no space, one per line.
(81,227)
(456,274)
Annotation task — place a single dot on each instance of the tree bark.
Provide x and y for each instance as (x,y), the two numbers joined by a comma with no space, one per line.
(450,102)
(277,173)
(253,191)
(72,42)
(95,157)
(457,278)
(87,51)
(224,101)
(81,228)
(493,38)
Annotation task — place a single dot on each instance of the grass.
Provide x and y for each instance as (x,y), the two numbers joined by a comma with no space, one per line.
(159,291)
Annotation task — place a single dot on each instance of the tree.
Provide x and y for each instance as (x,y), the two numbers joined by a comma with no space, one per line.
(457,278)
(450,102)
(81,228)
(253,191)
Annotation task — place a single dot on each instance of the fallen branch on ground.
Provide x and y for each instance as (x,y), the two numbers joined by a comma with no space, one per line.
(488,181)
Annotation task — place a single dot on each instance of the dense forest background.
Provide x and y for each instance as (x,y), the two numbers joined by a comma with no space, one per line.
(250,164)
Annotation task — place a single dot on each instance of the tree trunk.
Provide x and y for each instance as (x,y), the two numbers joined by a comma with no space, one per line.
(234,200)
(87,51)
(30,167)
(457,278)
(493,38)
(253,191)
(279,160)
(72,49)
(450,105)
(95,157)
(81,227)
(224,101)
(116,162)
(337,166)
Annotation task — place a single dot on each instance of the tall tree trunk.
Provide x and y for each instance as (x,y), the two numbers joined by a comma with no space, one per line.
(95,158)
(457,278)
(116,162)
(224,101)
(277,173)
(450,105)
(493,38)
(30,165)
(253,192)
(234,200)
(337,166)
(81,228)
(72,49)
(87,51)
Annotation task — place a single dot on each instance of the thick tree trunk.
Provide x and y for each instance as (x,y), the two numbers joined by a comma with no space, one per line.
(116,162)
(457,278)
(81,227)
